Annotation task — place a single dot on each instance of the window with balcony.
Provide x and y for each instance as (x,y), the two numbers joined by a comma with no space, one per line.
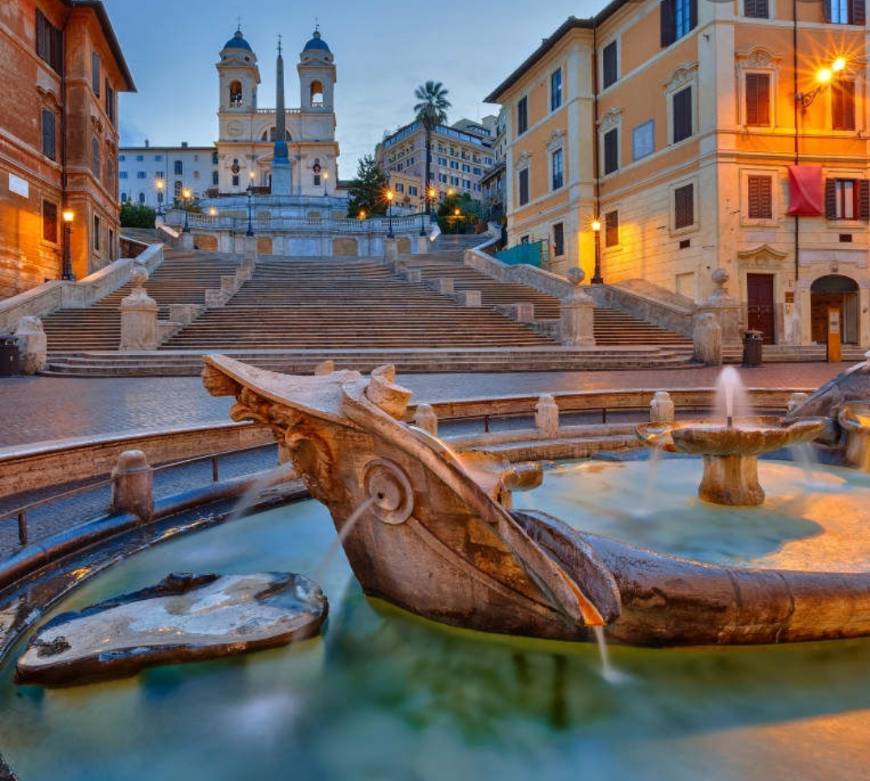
(608,65)
(522,116)
(556,90)
(843,105)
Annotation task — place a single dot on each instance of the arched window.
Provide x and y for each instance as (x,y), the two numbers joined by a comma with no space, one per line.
(142,198)
(316,93)
(235,93)
(272,134)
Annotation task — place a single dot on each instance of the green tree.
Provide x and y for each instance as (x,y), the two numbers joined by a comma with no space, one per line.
(466,220)
(136,215)
(367,190)
(431,111)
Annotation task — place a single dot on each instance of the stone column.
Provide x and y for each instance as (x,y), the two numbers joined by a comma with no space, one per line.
(707,338)
(724,308)
(577,315)
(139,311)
(133,485)
(32,345)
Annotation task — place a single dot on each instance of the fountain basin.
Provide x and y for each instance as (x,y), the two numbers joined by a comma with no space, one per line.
(730,452)
(854,419)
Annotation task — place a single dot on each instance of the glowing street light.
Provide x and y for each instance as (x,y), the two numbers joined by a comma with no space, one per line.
(391,196)
(597,276)
(160,184)
(68,216)
(838,65)
(824,77)
(186,195)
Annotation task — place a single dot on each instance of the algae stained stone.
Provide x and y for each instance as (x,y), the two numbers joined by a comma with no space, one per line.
(184,618)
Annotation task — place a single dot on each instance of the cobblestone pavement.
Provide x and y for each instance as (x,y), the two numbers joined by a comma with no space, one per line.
(36,409)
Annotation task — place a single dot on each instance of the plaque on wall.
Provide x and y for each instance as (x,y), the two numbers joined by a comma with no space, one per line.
(789,296)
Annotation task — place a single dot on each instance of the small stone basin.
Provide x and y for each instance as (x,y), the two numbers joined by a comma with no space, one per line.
(730,452)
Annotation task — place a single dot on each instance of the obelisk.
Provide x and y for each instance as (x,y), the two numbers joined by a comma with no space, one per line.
(281,158)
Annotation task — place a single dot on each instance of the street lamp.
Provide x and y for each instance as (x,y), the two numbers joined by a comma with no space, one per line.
(185,199)
(362,214)
(824,77)
(597,278)
(68,216)
(391,196)
(325,184)
(429,197)
(160,184)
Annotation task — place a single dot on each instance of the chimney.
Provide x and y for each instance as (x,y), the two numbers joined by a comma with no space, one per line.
(184,144)
(147,143)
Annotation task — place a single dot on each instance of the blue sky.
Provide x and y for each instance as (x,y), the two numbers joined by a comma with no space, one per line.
(383,50)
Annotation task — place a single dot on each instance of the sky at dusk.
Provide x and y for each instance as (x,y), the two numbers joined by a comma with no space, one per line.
(383,49)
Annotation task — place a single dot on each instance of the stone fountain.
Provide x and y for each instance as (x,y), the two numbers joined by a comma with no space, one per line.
(432,531)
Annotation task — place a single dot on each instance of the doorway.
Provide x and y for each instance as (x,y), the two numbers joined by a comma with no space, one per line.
(837,292)
(759,297)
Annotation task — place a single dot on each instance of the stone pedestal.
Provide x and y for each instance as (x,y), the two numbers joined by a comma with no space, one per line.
(707,339)
(186,241)
(391,250)
(724,308)
(422,245)
(444,285)
(731,480)
(661,408)
(281,179)
(249,251)
(547,416)
(139,330)
(413,275)
(470,298)
(32,345)
(577,320)
(132,485)
(426,419)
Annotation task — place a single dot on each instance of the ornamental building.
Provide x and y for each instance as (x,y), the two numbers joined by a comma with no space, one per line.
(62,71)
(697,136)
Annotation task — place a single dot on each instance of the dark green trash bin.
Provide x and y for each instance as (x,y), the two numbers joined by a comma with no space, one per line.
(9,357)
(753,343)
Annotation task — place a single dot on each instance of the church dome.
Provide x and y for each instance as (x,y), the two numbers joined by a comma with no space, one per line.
(238,42)
(316,43)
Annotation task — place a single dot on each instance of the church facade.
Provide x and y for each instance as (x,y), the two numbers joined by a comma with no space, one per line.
(246,145)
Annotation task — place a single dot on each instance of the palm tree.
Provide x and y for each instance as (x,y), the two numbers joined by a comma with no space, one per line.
(431,111)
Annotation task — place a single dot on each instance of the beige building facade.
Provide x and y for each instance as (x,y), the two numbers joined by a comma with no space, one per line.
(679,127)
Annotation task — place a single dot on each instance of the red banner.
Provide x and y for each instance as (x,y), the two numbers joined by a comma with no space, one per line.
(807,189)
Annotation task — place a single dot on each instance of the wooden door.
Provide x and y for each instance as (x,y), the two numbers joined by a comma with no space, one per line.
(759,294)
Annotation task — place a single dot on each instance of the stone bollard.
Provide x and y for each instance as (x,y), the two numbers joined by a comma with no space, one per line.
(133,485)
(547,416)
(707,339)
(422,243)
(470,298)
(324,368)
(577,316)
(413,276)
(661,408)
(139,311)
(391,250)
(249,251)
(426,419)
(795,401)
(186,241)
(32,345)
(444,285)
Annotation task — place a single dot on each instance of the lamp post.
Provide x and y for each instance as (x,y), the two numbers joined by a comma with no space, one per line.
(391,196)
(457,217)
(597,278)
(325,184)
(160,184)
(429,198)
(68,216)
(185,199)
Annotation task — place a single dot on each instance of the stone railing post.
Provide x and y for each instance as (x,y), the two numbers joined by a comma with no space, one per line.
(707,339)
(577,321)
(426,419)
(133,485)
(661,408)
(422,243)
(139,312)
(547,416)
(32,345)
(391,250)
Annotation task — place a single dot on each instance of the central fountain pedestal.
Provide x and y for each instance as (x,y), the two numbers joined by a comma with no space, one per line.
(731,480)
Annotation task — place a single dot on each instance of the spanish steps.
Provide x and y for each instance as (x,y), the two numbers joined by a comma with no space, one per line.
(295,312)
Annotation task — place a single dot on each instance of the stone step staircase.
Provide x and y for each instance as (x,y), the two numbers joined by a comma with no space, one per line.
(182,278)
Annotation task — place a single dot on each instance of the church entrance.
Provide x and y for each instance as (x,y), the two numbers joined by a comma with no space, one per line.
(838,292)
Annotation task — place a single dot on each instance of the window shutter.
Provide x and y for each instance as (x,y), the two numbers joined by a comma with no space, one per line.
(49,141)
(666,11)
(831,199)
(858,14)
(682,110)
(864,199)
(828,14)
(760,197)
(847,95)
(693,14)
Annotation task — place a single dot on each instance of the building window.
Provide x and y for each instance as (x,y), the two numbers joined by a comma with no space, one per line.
(844,11)
(214,158)
(847,199)
(317,182)
(677,18)
(608,58)
(49,134)
(215,178)
(611,229)
(682,105)
(558,240)
(141,174)
(110,102)
(760,197)
(235,94)
(643,140)
(235,180)
(758,99)
(49,43)
(96,164)
(124,197)
(558,160)
(555,89)
(843,105)
(49,221)
(96,233)
(684,206)
(140,158)
(611,151)
(524,186)
(123,175)
(95,73)
(142,198)
(755,9)
(522,116)
(178,167)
